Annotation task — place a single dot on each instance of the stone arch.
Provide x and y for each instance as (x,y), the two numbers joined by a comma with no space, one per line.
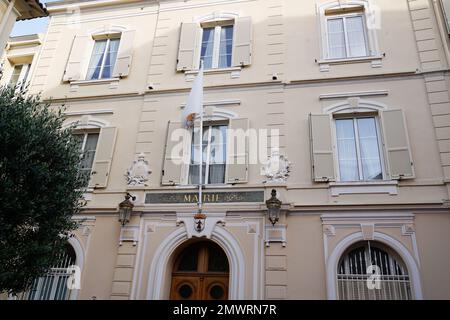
(229,244)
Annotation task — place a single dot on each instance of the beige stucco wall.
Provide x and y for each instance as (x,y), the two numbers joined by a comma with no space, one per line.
(432,240)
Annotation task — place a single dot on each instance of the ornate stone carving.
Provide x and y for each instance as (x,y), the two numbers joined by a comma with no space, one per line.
(199,222)
(367,230)
(139,172)
(408,229)
(207,223)
(329,230)
(277,168)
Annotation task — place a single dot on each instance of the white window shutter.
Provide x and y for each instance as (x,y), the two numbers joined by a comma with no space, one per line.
(322,158)
(188,46)
(125,54)
(242,42)
(237,154)
(174,161)
(77,58)
(396,141)
(103,157)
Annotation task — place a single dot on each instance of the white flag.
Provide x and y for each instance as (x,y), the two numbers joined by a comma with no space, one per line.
(194,104)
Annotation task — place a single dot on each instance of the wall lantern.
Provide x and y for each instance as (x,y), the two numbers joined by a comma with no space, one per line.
(125,209)
(274,208)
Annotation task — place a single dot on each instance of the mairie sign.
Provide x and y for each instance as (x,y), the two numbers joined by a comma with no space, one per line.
(208,197)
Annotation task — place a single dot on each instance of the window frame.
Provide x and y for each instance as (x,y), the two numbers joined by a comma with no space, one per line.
(380,140)
(217,25)
(208,124)
(344,17)
(108,38)
(334,8)
(85,134)
(23,74)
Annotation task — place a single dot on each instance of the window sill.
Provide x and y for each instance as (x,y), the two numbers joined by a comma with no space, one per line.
(364,187)
(87,193)
(235,72)
(112,82)
(326,63)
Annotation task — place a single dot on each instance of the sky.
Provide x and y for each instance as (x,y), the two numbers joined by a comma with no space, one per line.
(32,26)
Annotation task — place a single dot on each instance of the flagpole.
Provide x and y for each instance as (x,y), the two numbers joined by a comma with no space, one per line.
(200,180)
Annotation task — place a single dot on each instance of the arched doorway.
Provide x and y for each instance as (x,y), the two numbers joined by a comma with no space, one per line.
(358,265)
(200,272)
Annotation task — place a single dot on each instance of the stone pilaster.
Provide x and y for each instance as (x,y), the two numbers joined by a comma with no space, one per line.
(123,273)
(433,66)
(276,272)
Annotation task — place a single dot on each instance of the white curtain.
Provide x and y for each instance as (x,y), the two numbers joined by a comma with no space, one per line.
(207,50)
(368,145)
(336,38)
(226,46)
(215,164)
(347,154)
(356,37)
(110,59)
(95,65)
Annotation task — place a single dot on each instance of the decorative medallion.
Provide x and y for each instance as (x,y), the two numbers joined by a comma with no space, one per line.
(277,168)
(139,172)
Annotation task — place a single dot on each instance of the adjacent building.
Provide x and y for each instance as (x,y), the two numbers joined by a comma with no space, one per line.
(345,111)
(19,60)
(16,10)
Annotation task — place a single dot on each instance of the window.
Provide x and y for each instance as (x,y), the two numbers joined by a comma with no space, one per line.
(346,33)
(217,46)
(19,75)
(103,59)
(87,146)
(214,146)
(53,285)
(353,273)
(358,145)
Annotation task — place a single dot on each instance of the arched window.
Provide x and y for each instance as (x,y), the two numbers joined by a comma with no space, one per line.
(53,285)
(367,263)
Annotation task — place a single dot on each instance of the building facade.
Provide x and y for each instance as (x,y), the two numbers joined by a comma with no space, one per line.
(15,10)
(346,110)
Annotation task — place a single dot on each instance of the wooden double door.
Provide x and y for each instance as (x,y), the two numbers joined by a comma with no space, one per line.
(201,272)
